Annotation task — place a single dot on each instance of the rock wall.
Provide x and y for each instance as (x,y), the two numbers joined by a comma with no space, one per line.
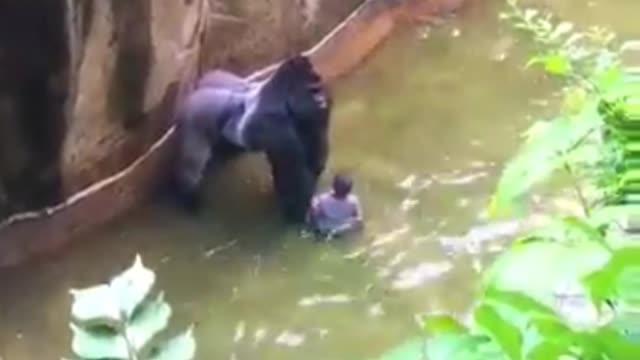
(132,57)
(100,138)
(86,86)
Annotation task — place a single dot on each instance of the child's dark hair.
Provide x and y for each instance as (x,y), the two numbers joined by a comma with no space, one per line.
(342,185)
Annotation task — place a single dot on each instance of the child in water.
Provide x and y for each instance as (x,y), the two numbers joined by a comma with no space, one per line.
(336,212)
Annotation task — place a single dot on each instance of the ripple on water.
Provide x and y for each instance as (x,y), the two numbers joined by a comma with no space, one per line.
(419,275)
(290,339)
(315,300)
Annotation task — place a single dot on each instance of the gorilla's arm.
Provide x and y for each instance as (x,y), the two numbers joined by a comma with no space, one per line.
(194,152)
(293,182)
(316,149)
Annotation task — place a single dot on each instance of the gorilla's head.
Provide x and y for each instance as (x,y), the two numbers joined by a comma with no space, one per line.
(308,100)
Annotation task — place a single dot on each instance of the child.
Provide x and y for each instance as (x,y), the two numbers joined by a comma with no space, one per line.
(336,212)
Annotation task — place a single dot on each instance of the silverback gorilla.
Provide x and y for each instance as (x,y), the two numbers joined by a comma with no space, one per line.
(286,116)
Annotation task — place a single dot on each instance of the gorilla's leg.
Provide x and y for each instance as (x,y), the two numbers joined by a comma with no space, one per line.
(292,181)
(194,153)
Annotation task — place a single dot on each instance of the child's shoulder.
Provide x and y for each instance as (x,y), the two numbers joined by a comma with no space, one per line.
(322,197)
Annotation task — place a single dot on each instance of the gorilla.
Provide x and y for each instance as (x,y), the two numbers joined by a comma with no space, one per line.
(285,116)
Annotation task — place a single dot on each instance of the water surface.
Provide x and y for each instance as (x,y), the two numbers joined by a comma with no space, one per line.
(424,127)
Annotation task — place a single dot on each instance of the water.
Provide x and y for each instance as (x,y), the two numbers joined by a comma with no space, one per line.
(424,127)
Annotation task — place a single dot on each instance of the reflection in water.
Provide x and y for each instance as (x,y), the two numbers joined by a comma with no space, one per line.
(424,127)
(416,276)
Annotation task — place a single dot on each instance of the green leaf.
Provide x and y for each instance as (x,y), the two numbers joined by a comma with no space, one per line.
(133,286)
(554,263)
(149,320)
(449,341)
(413,349)
(527,329)
(98,343)
(554,63)
(95,306)
(614,214)
(611,280)
(463,347)
(572,230)
(500,323)
(616,345)
(574,100)
(440,324)
(608,78)
(182,347)
(105,304)
(548,147)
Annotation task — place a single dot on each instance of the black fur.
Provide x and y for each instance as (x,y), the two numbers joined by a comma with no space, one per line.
(290,123)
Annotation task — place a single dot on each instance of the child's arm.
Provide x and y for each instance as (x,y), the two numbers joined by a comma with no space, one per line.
(315,209)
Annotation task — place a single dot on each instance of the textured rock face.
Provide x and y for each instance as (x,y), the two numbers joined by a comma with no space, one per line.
(244,34)
(132,56)
(128,60)
(86,86)
(85,109)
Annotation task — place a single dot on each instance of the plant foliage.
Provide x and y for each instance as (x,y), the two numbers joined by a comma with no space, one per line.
(575,143)
(570,290)
(124,320)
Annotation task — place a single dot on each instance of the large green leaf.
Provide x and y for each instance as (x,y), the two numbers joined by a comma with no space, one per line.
(107,304)
(133,286)
(526,329)
(181,347)
(572,231)
(436,324)
(545,151)
(463,347)
(98,343)
(501,323)
(448,339)
(412,349)
(95,306)
(511,320)
(548,337)
(149,320)
(612,281)
(536,268)
(616,345)
(554,63)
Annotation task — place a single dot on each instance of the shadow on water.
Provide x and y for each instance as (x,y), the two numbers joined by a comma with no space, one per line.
(424,127)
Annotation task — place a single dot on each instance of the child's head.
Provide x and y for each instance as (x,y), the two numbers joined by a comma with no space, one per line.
(342,185)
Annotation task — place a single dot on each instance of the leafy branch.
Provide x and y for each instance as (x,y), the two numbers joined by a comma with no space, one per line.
(572,143)
(122,320)
(569,290)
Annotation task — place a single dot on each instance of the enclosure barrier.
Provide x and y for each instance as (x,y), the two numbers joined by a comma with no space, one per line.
(26,235)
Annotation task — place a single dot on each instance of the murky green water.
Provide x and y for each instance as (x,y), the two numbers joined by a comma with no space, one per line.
(424,127)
